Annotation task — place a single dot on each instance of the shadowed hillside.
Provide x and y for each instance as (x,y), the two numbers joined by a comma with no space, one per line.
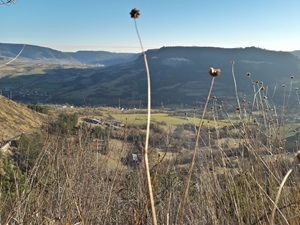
(179,76)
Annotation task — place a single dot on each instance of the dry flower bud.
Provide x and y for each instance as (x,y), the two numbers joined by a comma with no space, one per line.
(214,72)
(135,13)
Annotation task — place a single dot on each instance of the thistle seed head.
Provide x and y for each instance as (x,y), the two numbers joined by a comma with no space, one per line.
(214,72)
(135,13)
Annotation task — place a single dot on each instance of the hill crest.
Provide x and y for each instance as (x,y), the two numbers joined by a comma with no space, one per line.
(51,56)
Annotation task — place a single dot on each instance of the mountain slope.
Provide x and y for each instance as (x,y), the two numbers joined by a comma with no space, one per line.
(15,119)
(102,57)
(32,52)
(51,56)
(179,75)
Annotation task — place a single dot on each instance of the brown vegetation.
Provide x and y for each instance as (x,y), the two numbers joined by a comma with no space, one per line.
(15,119)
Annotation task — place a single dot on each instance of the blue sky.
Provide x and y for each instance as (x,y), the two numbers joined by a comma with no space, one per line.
(71,25)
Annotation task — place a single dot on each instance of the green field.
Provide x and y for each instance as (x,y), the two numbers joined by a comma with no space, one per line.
(164,118)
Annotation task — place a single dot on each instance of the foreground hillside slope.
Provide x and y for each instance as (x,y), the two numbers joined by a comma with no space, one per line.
(15,119)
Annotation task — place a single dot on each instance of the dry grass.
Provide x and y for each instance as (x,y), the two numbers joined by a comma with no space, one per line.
(72,182)
(15,119)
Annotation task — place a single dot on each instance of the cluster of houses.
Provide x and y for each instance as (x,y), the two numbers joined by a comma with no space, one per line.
(101,122)
(23,93)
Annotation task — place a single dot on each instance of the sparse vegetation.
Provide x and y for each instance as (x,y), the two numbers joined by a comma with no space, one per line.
(235,180)
(38,108)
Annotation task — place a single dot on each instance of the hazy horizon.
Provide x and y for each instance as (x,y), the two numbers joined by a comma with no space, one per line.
(90,48)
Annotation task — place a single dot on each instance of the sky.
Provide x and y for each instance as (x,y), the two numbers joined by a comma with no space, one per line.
(72,25)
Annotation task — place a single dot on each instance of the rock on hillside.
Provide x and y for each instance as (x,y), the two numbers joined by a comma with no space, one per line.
(15,119)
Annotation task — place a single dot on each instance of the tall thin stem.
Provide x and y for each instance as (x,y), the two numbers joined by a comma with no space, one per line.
(145,153)
(187,185)
(235,88)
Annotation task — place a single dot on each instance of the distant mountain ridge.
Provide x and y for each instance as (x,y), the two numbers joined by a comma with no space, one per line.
(179,75)
(51,56)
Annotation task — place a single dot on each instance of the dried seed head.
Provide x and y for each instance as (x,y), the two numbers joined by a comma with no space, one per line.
(214,97)
(283,85)
(248,74)
(262,88)
(214,72)
(292,77)
(135,13)
(265,97)
(296,89)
